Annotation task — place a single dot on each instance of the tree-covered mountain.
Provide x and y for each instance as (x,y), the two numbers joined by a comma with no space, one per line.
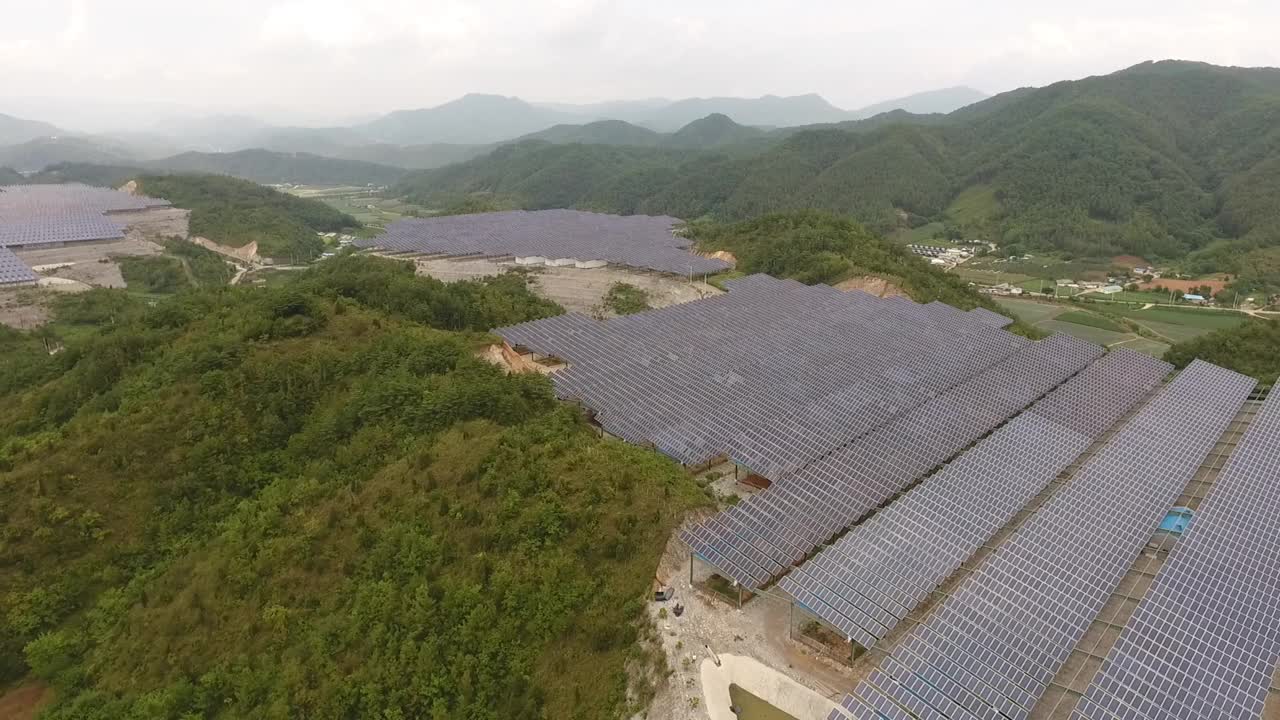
(814,247)
(412,157)
(16,130)
(235,212)
(37,154)
(315,501)
(767,111)
(1165,160)
(930,102)
(473,118)
(262,166)
(712,131)
(600,132)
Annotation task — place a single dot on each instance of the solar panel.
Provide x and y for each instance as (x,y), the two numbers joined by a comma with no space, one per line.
(47,214)
(640,241)
(810,506)
(1205,639)
(886,566)
(13,271)
(772,374)
(1001,638)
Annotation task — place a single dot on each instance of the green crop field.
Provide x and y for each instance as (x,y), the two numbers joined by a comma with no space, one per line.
(1029,311)
(1205,319)
(1094,327)
(1081,317)
(1147,346)
(1085,332)
(923,235)
(983,276)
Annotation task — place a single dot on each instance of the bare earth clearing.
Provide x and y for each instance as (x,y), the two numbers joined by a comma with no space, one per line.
(578,290)
(759,631)
(23,309)
(873,285)
(24,701)
(87,265)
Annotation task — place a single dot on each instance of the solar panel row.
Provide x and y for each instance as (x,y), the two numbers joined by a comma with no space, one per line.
(762,537)
(48,214)
(992,648)
(772,374)
(1205,640)
(640,241)
(881,570)
(13,271)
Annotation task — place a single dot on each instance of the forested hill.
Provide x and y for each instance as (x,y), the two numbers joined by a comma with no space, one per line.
(260,166)
(1159,160)
(237,212)
(263,166)
(314,501)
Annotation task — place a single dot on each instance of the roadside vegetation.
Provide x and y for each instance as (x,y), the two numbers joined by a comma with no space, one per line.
(313,500)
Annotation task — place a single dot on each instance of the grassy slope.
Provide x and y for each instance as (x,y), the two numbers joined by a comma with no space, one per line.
(301,502)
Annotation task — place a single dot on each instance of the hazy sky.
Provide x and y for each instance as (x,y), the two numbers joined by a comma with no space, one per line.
(323,60)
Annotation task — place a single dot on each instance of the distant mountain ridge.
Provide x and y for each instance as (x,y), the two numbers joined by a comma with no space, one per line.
(16,130)
(1164,160)
(930,102)
(473,118)
(454,131)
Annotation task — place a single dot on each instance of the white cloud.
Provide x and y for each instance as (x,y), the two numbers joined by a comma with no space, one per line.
(321,59)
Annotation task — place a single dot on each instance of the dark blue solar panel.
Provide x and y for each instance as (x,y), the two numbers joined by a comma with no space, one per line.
(13,271)
(1205,640)
(640,241)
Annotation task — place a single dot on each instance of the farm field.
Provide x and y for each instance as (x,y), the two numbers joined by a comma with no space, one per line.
(1140,297)
(360,203)
(1086,325)
(1081,317)
(923,235)
(984,275)
(1106,338)
(1180,325)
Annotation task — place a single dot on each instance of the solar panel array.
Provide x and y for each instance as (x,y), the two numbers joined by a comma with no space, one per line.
(992,648)
(760,538)
(773,374)
(13,271)
(47,214)
(58,229)
(19,202)
(639,241)
(871,578)
(1205,639)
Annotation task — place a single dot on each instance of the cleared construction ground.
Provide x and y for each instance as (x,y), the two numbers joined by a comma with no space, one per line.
(576,289)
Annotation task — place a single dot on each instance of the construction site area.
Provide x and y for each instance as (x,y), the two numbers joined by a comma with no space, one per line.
(925,516)
(572,258)
(66,238)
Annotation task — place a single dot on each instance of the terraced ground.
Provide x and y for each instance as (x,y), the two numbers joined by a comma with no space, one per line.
(1084,324)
